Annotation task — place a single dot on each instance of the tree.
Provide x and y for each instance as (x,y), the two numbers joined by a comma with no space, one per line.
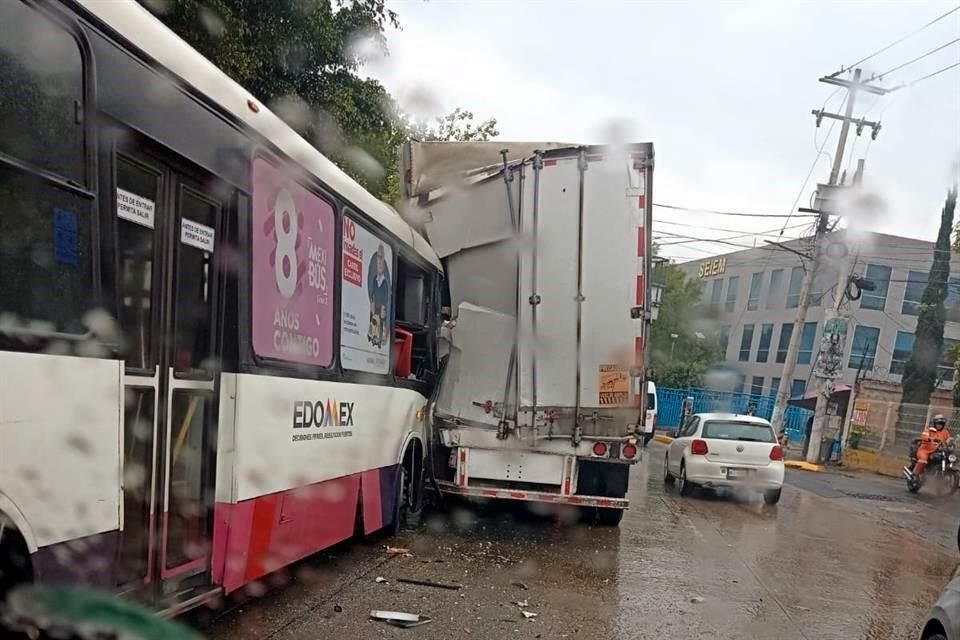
(920,374)
(301,58)
(682,360)
(456,126)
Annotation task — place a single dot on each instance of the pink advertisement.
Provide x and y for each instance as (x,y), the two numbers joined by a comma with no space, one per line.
(293,235)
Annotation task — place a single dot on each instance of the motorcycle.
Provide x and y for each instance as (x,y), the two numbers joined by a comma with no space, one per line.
(942,467)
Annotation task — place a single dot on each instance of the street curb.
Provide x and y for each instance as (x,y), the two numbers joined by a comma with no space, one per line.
(791,464)
(800,464)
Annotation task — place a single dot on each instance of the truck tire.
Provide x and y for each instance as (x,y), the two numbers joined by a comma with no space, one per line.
(609,517)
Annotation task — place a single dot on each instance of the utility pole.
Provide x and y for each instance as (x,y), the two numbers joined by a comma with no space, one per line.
(826,385)
(786,376)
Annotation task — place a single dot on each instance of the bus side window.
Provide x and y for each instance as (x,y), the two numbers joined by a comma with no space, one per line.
(46,251)
(415,309)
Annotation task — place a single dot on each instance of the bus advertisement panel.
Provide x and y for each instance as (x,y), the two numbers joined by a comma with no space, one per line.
(365,331)
(293,234)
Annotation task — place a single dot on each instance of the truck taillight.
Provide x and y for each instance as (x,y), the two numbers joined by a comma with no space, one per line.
(629,451)
(599,449)
(776,453)
(699,447)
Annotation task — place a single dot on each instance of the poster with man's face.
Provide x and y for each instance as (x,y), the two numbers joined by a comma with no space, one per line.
(366,300)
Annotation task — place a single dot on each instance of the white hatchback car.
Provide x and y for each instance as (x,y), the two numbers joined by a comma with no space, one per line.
(726,450)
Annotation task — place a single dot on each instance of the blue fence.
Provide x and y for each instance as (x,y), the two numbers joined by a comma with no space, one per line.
(670,403)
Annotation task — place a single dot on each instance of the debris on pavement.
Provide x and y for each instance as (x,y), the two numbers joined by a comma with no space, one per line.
(521,585)
(381,580)
(529,615)
(397,551)
(696,599)
(521,603)
(431,583)
(337,608)
(400,618)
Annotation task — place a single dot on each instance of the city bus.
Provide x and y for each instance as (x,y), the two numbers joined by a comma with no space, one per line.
(216,348)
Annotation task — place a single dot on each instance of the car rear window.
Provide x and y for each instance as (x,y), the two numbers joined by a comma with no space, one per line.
(746,431)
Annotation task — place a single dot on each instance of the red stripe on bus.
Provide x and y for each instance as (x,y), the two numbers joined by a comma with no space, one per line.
(549,163)
(640,291)
(263,534)
(265,518)
(371,495)
(641,201)
(641,242)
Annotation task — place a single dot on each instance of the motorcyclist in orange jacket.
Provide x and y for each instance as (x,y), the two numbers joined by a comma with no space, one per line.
(932,438)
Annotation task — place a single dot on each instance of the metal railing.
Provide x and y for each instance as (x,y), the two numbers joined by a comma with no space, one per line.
(670,405)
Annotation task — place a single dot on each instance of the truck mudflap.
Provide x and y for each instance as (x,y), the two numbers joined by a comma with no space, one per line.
(533,496)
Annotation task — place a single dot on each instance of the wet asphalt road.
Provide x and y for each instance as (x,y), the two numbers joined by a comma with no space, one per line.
(841,556)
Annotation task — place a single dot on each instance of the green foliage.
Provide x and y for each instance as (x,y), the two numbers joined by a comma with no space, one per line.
(682,314)
(920,374)
(455,126)
(301,58)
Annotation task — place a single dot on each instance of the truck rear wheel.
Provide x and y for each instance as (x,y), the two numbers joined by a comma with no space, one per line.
(609,517)
(606,480)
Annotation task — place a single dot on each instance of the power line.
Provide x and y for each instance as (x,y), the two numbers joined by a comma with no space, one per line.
(880,76)
(689,239)
(698,226)
(723,213)
(748,234)
(894,43)
(929,75)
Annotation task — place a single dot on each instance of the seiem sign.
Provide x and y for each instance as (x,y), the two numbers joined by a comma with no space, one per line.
(712,268)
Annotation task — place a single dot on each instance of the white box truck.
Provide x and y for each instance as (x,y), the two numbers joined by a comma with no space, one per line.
(547,249)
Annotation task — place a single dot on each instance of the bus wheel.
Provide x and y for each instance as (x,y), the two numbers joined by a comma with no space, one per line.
(408,511)
(15,565)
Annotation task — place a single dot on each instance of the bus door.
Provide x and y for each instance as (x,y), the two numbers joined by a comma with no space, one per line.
(168,224)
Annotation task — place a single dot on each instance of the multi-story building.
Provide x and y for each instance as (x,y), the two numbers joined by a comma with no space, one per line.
(755,293)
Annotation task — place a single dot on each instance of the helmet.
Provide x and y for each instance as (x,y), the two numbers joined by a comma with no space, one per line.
(939,422)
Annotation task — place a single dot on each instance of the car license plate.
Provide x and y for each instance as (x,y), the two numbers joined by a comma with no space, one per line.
(734,474)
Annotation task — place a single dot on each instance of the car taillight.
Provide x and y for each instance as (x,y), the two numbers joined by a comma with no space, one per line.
(599,449)
(776,453)
(629,451)
(699,447)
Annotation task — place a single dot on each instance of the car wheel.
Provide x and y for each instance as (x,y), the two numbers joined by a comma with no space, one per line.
(668,477)
(772,496)
(685,487)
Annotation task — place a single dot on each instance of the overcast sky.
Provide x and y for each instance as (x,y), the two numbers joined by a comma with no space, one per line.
(724,90)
